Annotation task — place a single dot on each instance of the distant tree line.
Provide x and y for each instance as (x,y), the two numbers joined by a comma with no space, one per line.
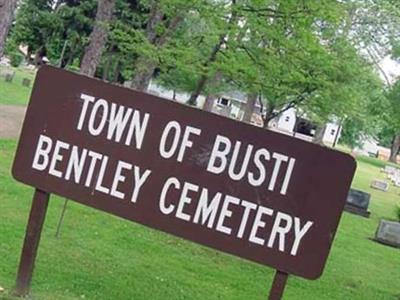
(321,57)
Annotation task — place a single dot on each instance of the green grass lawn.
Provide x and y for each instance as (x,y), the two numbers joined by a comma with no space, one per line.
(14,92)
(99,256)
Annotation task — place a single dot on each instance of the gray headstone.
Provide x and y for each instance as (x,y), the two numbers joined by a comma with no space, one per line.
(394,176)
(358,198)
(391,177)
(9,77)
(380,185)
(4,72)
(357,202)
(388,232)
(26,82)
(390,169)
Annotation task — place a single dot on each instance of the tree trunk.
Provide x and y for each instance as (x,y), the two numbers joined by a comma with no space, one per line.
(62,61)
(211,97)
(39,54)
(394,149)
(144,71)
(199,88)
(319,135)
(249,107)
(203,78)
(209,102)
(107,66)
(98,37)
(144,68)
(156,16)
(211,59)
(269,115)
(7,8)
(117,70)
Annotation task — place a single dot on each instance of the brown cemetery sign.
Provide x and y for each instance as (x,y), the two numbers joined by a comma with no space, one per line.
(256,194)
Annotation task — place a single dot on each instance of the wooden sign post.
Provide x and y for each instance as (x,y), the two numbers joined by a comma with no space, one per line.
(278,285)
(37,216)
(243,190)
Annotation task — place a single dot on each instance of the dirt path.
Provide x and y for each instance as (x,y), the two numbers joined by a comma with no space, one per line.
(11,117)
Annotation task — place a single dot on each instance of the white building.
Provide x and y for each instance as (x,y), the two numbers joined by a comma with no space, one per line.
(287,121)
(231,105)
(370,147)
(160,91)
(331,134)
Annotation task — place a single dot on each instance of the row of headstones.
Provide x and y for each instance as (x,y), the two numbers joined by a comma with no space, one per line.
(388,232)
(9,77)
(393,175)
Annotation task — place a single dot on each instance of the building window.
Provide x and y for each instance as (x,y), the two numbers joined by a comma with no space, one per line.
(223,102)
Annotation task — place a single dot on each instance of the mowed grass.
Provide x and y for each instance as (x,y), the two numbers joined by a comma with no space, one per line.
(99,256)
(14,92)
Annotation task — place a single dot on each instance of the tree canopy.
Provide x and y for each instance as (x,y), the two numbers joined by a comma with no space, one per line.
(321,57)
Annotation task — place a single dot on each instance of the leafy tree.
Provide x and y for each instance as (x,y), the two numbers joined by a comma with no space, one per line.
(125,41)
(157,38)
(392,119)
(56,29)
(68,42)
(34,26)
(7,8)
(263,58)
(295,59)
(98,37)
(317,56)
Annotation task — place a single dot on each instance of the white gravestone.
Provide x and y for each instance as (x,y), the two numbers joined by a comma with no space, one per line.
(380,185)
(388,232)
(390,169)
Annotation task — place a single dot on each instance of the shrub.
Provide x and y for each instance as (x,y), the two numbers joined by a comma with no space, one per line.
(16,58)
(13,53)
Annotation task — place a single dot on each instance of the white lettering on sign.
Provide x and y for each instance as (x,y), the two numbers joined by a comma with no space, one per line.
(173,130)
(119,177)
(43,148)
(139,180)
(112,120)
(226,213)
(167,209)
(243,190)
(96,129)
(219,164)
(82,164)
(215,214)
(248,207)
(185,201)
(76,164)
(205,210)
(259,223)
(280,230)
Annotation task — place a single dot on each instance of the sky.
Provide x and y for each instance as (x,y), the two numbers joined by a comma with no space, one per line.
(390,67)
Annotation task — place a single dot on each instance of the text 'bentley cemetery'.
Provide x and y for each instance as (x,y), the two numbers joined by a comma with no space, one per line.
(231,186)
